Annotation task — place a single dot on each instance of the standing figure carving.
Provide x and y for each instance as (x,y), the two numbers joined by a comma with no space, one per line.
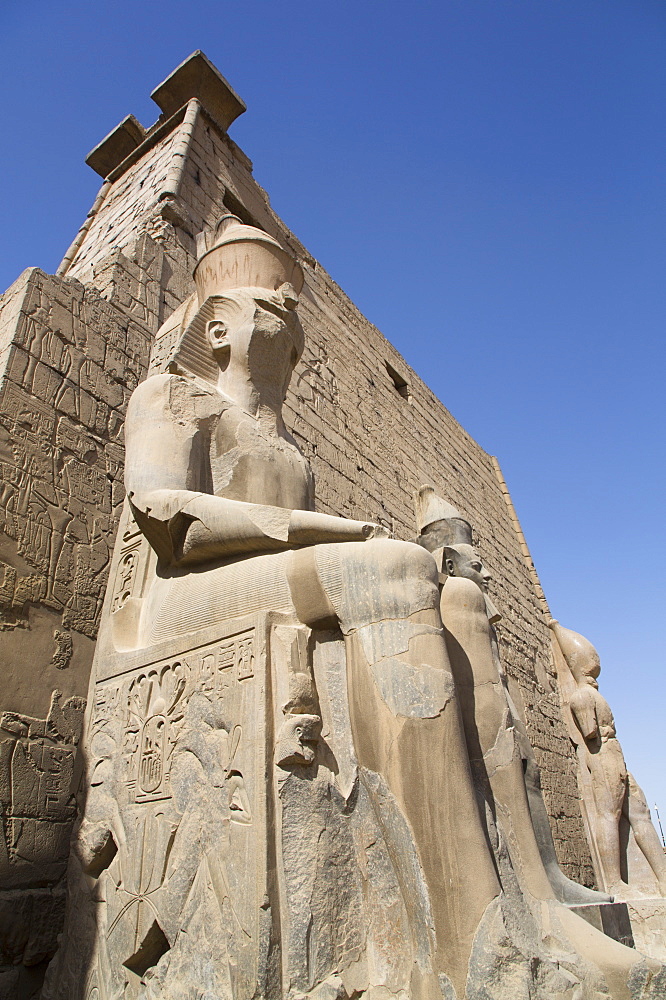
(614,801)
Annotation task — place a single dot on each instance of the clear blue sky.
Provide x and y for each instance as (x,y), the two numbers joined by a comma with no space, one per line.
(485,178)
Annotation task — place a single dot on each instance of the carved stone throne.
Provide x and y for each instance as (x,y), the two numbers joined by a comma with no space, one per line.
(217,814)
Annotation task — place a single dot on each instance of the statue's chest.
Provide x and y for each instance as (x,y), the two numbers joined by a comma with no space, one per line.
(249,462)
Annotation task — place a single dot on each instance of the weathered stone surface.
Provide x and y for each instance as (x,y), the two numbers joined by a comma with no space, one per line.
(197,77)
(369,448)
(372,433)
(69,361)
(626,849)
(278,796)
(611,918)
(117,145)
(503,764)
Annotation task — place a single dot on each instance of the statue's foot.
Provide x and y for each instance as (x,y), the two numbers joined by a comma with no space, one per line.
(622,892)
(572,894)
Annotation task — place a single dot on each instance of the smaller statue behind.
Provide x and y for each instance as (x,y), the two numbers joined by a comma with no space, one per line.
(505,771)
(614,803)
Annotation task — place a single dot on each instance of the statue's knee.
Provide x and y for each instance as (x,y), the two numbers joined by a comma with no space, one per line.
(404,558)
(403,563)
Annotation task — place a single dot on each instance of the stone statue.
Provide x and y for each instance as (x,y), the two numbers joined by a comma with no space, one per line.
(279,800)
(614,797)
(500,752)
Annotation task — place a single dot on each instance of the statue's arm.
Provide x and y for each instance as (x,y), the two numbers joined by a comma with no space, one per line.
(583,710)
(166,437)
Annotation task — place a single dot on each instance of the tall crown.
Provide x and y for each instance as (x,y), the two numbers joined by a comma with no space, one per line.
(452,528)
(240,256)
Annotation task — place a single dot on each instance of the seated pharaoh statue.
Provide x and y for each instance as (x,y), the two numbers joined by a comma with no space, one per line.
(278,799)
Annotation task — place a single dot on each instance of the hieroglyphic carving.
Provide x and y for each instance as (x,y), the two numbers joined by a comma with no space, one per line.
(70,360)
(63,651)
(317,382)
(168,760)
(69,374)
(36,771)
(125,579)
(154,706)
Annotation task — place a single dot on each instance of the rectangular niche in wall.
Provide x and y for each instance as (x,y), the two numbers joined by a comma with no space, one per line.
(400,383)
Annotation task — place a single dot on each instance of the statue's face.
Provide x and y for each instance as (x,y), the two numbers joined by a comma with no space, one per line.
(463,560)
(260,332)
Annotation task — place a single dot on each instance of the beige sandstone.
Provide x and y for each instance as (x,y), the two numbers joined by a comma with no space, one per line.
(72,350)
(627,852)
(247,811)
(502,759)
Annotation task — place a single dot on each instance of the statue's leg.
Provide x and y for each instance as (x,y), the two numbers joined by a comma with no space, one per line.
(565,889)
(406,719)
(491,738)
(638,814)
(609,781)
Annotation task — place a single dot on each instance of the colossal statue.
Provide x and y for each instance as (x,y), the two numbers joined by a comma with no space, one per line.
(614,799)
(278,793)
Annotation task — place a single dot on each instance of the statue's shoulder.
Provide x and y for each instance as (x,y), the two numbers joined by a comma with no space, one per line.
(465,591)
(179,396)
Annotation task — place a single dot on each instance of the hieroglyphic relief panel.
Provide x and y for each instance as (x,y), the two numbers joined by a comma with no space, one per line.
(177,796)
(73,362)
(36,790)
(37,776)
(69,361)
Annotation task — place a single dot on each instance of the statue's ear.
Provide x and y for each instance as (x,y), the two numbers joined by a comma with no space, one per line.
(288,295)
(449,562)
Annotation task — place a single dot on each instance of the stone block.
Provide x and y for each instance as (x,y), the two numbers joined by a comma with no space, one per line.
(611,918)
(116,146)
(197,77)
(648,924)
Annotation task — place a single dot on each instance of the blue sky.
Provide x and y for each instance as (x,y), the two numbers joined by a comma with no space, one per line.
(485,179)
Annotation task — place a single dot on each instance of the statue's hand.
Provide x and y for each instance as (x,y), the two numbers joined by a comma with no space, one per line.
(309,528)
(377,531)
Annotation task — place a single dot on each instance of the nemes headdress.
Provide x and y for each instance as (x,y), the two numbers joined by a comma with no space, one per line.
(452,528)
(236,263)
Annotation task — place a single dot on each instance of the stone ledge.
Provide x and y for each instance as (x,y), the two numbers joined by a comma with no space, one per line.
(611,919)
(197,77)
(116,146)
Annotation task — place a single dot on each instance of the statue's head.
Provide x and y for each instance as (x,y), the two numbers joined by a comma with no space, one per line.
(443,527)
(257,332)
(581,656)
(242,320)
(464,560)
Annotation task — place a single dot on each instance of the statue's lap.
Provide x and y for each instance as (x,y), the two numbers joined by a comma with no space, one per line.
(344,574)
